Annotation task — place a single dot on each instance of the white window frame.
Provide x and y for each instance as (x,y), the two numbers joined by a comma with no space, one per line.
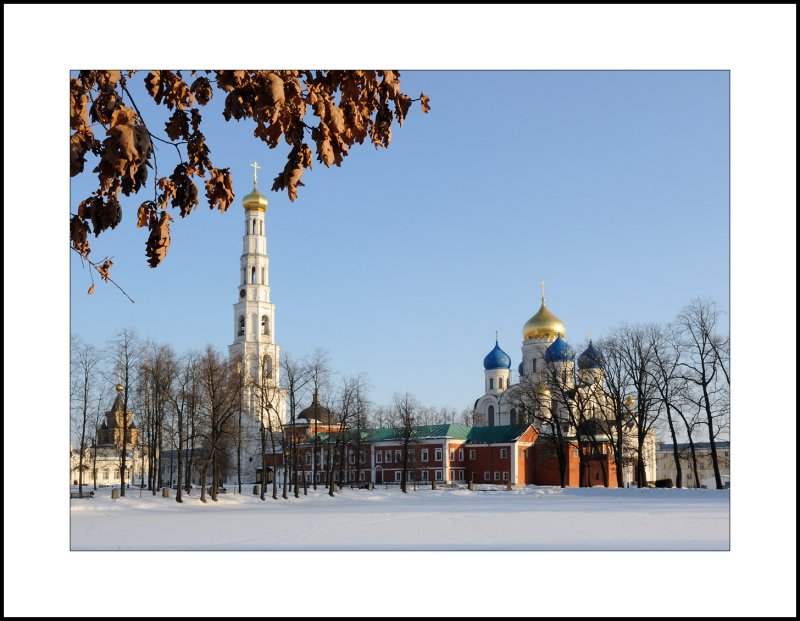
(424,475)
(438,475)
(496,475)
(378,457)
(398,476)
(411,455)
(398,456)
(461,454)
(362,457)
(437,455)
(503,453)
(471,454)
(388,457)
(424,454)
(487,476)
(452,454)
(351,457)
(505,476)
(361,475)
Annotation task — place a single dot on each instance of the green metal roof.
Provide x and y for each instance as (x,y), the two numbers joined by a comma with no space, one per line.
(495,435)
(472,435)
(452,431)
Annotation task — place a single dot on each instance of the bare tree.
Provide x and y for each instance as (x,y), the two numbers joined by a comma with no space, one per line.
(535,404)
(126,352)
(617,389)
(704,366)
(221,390)
(295,378)
(406,408)
(637,353)
(181,398)
(266,394)
(84,360)
(319,372)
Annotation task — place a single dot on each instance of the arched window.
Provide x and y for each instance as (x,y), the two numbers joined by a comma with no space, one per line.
(500,382)
(263,275)
(534,364)
(491,416)
(241,325)
(254,226)
(268,365)
(513,416)
(264,324)
(491,383)
(244,276)
(261,227)
(252,275)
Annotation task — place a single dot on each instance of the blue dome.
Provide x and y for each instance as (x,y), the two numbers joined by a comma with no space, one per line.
(496,359)
(519,368)
(590,359)
(559,351)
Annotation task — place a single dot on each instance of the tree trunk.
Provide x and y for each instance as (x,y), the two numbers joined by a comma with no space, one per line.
(675,453)
(712,443)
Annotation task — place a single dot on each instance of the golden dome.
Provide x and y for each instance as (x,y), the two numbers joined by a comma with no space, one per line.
(254,200)
(542,389)
(543,325)
(120,388)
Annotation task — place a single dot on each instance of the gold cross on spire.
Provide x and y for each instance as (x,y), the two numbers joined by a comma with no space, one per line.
(542,291)
(255,172)
(590,335)
(495,336)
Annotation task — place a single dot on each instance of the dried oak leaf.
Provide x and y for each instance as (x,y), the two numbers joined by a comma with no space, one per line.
(197,152)
(178,125)
(104,269)
(79,143)
(426,106)
(401,104)
(147,211)
(273,90)
(228,80)
(159,240)
(219,188)
(202,90)
(79,235)
(91,290)
(154,85)
(185,190)
(78,98)
(196,118)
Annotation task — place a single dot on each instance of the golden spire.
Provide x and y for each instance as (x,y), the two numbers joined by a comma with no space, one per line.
(254,200)
(544,324)
(119,386)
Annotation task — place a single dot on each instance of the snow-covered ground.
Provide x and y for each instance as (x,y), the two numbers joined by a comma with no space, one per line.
(489,518)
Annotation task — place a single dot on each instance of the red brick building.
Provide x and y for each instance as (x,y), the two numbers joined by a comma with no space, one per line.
(451,453)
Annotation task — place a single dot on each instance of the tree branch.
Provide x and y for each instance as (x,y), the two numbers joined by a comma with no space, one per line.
(106,277)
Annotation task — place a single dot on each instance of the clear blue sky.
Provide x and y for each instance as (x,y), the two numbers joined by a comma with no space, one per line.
(610,186)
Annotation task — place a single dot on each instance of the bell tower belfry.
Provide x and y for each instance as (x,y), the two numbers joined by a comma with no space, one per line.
(254,315)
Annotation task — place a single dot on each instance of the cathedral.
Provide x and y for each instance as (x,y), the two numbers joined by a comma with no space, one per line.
(549,392)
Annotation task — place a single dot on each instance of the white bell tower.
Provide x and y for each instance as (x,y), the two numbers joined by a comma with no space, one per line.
(253,313)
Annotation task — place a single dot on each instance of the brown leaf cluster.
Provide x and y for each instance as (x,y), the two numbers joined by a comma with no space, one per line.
(349,107)
(219,188)
(169,87)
